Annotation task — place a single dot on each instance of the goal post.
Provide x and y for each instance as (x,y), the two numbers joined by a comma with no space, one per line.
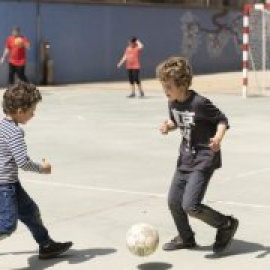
(256,50)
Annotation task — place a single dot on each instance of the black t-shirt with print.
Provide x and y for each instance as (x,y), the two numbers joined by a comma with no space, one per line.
(197,119)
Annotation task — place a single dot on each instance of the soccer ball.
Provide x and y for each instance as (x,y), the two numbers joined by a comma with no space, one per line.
(142,239)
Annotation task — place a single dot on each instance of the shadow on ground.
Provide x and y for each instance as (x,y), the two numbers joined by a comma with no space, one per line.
(239,247)
(155,266)
(74,256)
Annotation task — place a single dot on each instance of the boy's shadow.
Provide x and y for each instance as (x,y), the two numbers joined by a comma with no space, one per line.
(155,266)
(74,256)
(239,247)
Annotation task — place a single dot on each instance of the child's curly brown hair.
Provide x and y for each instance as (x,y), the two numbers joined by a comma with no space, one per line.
(176,69)
(20,96)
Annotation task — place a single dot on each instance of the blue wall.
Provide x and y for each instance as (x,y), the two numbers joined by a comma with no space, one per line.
(88,40)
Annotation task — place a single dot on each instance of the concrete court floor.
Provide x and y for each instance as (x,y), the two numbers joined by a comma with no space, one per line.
(112,169)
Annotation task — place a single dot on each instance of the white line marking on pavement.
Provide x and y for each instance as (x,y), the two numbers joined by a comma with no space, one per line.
(147,194)
(85,187)
(239,204)
(246,174)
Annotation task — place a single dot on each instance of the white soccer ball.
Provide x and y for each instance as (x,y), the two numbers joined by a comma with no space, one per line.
(142,239)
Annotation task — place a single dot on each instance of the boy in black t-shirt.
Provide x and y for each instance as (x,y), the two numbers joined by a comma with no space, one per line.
(203,127)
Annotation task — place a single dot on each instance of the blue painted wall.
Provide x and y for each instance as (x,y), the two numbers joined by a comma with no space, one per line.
(88,40)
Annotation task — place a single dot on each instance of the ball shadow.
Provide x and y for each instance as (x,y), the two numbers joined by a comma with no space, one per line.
(155,266)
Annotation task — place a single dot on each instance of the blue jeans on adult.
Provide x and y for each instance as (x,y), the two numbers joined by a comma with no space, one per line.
(16,204)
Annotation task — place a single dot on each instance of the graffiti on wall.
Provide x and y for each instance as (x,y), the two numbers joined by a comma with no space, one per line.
(216,38)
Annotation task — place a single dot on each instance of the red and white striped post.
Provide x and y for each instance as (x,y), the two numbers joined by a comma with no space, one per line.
(246,31)
(245,48)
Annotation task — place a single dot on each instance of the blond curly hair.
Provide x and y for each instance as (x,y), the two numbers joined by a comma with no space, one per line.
(176,69)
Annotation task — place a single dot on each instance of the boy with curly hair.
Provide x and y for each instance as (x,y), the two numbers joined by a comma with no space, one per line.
(203,127)
(19,106)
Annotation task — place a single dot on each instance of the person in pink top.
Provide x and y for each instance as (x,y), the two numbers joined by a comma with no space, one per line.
(132,59)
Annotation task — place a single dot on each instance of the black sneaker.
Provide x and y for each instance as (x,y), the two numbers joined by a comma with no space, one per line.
(225,235)
(178,243)
(53,250)
(132,95)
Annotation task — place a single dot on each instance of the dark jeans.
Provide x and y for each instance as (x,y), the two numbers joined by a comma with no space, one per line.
(16,70)
(15,204)
(134,76)
(185,197)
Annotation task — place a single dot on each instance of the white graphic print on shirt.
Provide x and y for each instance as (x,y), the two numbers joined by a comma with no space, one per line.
(185,121)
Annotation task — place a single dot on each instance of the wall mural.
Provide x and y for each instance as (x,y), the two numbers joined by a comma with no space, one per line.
(216,37)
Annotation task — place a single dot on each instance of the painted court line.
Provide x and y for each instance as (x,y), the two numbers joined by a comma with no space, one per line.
(155,195)
(84,187)
(249,205)
(244,175)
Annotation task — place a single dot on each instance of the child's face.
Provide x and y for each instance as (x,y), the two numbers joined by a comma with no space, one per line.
(22,117)
(172,91)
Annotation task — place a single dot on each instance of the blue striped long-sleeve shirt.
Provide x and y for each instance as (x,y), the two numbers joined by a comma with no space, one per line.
(13,153)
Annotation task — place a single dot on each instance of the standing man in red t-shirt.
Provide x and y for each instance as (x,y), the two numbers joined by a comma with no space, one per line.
(133,65)
(16,46)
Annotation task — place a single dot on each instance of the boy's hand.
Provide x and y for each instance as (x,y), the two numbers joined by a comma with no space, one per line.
(46,167)
(167,126)
(215,144)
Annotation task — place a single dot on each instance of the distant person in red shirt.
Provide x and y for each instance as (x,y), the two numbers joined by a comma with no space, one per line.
(16,46)
(132,59)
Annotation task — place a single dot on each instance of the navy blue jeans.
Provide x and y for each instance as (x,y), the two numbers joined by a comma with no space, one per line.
(16,204)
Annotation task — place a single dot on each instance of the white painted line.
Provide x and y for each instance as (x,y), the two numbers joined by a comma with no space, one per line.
(156,195)
(85,187)
(244,175)
(239,204)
